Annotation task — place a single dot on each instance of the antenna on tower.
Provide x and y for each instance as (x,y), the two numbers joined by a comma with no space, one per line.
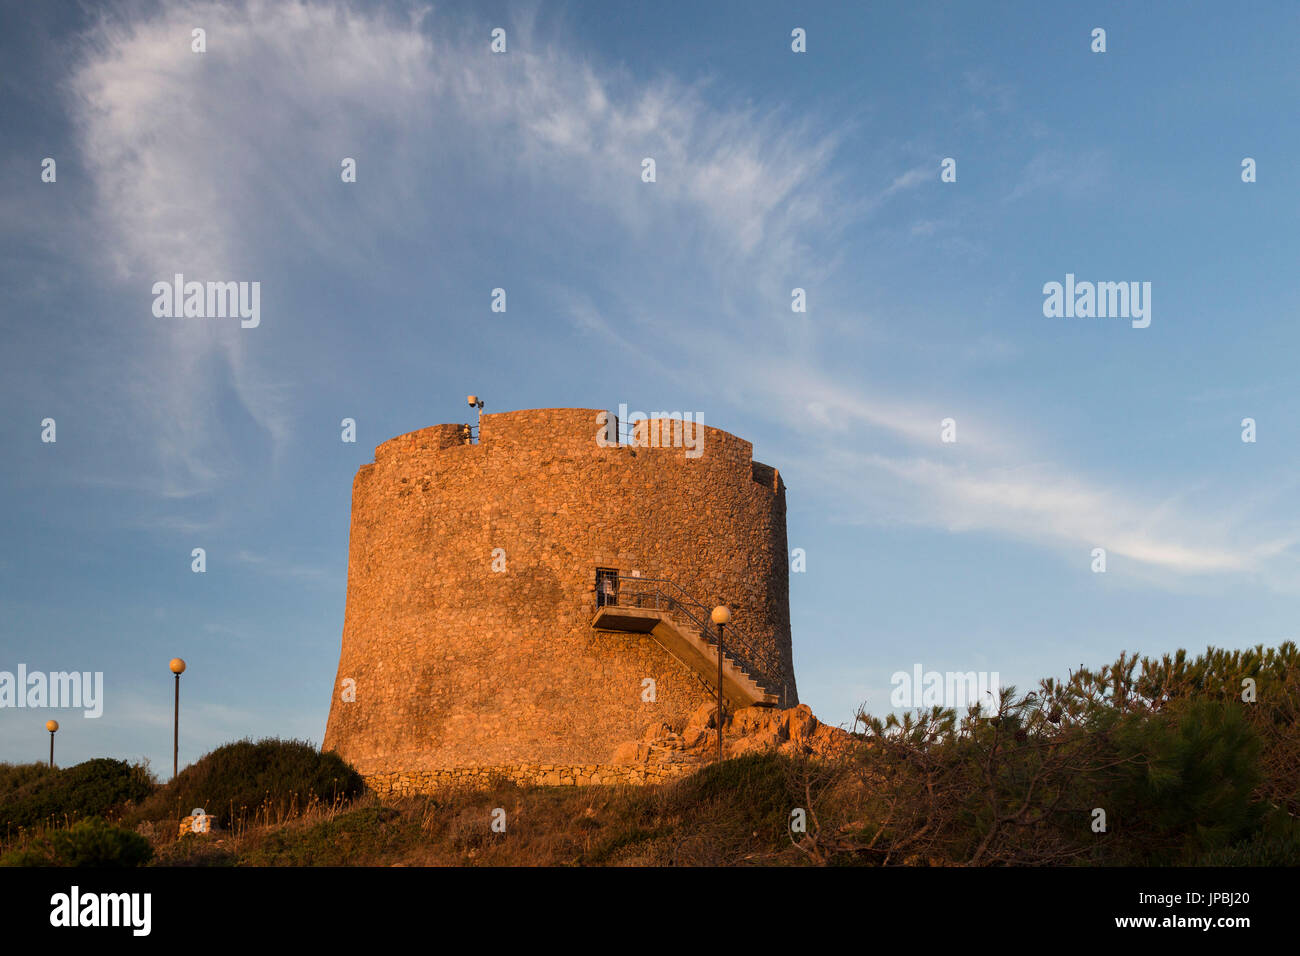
(476,402)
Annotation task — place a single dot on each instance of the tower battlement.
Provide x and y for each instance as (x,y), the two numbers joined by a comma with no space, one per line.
(575,431)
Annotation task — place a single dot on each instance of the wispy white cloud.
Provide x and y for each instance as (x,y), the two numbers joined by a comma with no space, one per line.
(911,179)
(203,164)
(279,568)
(1072,174)
(212,165)
(1042,504)
(995,480)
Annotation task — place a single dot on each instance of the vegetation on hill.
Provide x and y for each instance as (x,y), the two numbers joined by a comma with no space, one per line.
(34,794)
(1163,761)
(730,813)
(91,842)
(246,782)
(1183,761)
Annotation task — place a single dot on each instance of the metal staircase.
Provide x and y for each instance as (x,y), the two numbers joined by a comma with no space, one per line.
(661,609)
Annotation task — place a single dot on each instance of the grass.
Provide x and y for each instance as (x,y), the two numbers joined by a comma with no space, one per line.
(727,815)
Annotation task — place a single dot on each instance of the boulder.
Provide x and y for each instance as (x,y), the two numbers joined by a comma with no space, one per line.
(748,730)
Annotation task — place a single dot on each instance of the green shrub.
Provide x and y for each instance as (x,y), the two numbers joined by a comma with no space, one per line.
(1191,786)
(97,787)
(91,842)
(15,776)
(1183,768)
(1276,844)
(1258,851)
(243,782)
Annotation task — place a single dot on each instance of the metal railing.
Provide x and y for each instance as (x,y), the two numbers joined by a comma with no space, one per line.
(661,594)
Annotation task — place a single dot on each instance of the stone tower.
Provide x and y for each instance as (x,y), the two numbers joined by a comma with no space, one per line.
(533,599)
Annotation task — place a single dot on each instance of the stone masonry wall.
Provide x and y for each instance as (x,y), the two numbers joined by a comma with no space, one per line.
(411,782)
(457,666)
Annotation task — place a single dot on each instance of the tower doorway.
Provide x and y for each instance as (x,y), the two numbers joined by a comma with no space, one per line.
(606,587)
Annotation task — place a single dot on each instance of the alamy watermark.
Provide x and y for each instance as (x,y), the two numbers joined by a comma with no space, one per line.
(955,689)
(653,430)
(1102,300)
(129,910)
(211,300)
(38,689)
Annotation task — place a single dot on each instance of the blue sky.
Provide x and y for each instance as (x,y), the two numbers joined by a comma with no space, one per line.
(775,170)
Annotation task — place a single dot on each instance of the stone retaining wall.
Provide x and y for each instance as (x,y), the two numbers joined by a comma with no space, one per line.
(408,782)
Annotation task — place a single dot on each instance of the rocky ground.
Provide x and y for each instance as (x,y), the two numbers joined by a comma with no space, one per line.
(792,732)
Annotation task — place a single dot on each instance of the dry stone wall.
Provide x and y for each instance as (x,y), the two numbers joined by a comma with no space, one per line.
(411,782)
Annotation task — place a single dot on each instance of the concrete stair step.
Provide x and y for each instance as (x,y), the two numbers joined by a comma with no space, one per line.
(689,646)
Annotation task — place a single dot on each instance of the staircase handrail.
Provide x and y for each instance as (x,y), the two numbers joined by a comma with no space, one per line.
(759,662)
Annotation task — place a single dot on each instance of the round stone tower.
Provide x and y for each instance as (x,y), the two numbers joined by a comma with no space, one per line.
(534,598)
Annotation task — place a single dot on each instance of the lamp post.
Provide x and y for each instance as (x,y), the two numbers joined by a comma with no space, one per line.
(51,726)
(177,667)
(476,402)
(721,616)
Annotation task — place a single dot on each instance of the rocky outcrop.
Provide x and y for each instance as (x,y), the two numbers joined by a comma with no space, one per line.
(748,730)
